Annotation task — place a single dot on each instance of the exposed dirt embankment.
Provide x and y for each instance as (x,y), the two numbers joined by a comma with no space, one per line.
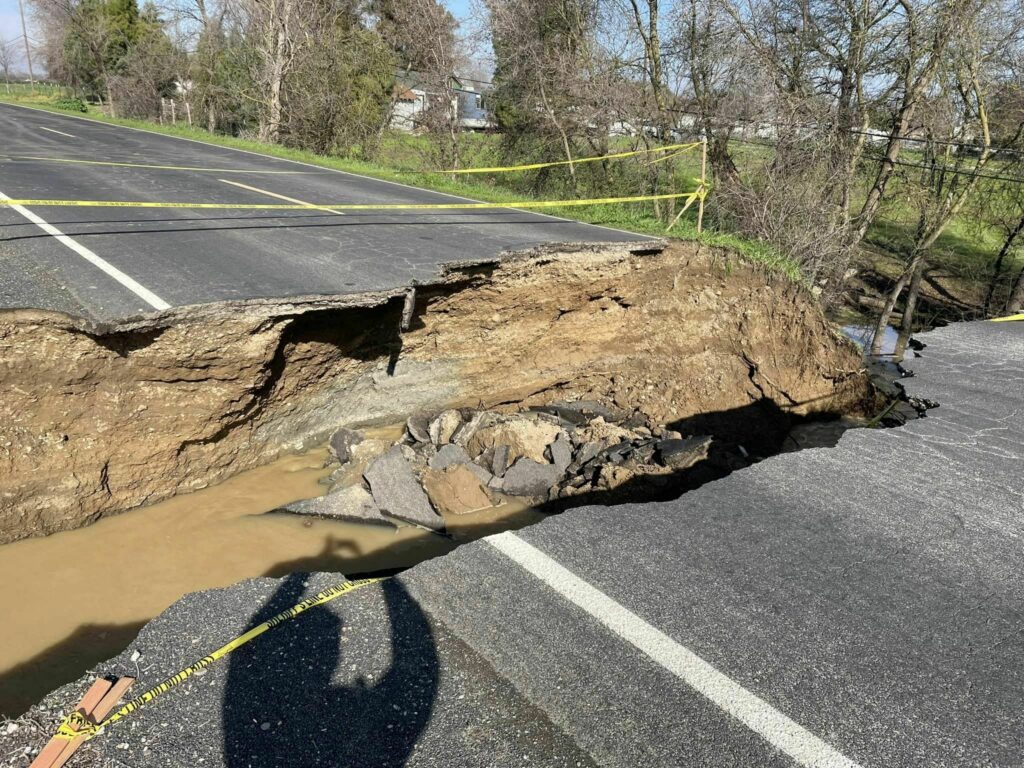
(97,419)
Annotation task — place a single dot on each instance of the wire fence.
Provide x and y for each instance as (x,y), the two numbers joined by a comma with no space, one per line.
(37,88)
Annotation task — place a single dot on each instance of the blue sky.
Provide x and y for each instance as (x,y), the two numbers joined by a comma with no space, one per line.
(459,8)
(10,25)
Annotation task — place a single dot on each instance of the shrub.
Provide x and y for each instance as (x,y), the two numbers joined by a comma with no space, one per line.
(70,104)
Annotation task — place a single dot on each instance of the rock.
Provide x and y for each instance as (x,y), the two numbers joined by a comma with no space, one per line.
(565,414)
(499,462)
(530,478)
(397,493)
(680,454)
(524,438)
(586,452)
(418,456)
(644,452)
(443,428)
(417,427)
(589,409)
(349,503)
(612,477)
(342,443)
(365,451)
(469,427)
(561,452)
(482,474)
(599,429)
(617,453)
(636,421)
(558,421)
(455,490)
(447,455)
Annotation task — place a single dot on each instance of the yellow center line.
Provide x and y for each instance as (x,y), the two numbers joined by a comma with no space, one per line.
(274,194)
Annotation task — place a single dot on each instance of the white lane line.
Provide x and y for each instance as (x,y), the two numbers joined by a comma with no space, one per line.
(279,197)
(757,714)
(141,291)
(54,130)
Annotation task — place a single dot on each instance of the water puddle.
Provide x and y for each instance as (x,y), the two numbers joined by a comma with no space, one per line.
(83,595)
(861,335)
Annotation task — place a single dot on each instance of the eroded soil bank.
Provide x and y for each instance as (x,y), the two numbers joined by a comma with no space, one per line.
(100,419)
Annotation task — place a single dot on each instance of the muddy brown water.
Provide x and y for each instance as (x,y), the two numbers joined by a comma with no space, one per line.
(74,599)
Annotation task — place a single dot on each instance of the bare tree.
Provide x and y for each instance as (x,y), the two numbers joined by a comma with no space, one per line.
(1002,209)
(950,176)
(926,30)
(277,31)
(7,59)
(549,78)
(712,52)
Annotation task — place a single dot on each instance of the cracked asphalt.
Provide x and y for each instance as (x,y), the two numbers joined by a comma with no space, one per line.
(872,592)
(192,256)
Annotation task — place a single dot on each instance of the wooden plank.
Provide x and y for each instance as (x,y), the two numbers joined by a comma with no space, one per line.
(54,749)
(100,711)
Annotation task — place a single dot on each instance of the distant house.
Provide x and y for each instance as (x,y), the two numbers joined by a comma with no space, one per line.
(412,97)
(474,114)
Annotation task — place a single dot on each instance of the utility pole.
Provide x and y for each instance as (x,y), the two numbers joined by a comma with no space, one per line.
(28,49)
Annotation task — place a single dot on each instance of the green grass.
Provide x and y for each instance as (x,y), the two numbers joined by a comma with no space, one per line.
(403,159)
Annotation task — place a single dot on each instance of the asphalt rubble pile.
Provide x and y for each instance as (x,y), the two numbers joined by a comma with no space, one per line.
(464,461)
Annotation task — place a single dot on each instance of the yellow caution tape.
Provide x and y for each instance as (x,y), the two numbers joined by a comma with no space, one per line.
(76,726)
(154,167)
(347,206)
(615,156)
(1008,318)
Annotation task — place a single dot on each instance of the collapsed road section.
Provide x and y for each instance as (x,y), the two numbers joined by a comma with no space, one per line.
(99,419)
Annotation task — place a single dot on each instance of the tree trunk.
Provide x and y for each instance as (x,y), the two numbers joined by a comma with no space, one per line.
(270,129)
(907,322)
(110,101)
(1015,303)
(890,303)
(997,269)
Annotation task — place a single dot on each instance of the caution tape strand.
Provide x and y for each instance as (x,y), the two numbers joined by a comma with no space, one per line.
(524,204)
(76,726)
(614,156)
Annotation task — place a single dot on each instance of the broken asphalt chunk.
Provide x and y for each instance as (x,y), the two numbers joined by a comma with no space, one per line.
(351,503)
(529,478)
(397,493)
(680,454)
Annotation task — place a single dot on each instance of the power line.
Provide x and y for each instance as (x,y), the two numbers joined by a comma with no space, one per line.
(949,169)
(945,168)
(730,122)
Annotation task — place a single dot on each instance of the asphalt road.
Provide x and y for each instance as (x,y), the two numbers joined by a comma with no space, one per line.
(183,256)
(857,605)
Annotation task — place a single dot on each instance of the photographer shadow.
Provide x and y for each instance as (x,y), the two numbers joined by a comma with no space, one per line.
(282,705)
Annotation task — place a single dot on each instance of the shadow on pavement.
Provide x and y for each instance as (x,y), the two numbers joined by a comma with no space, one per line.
(282,706)
(23,685)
